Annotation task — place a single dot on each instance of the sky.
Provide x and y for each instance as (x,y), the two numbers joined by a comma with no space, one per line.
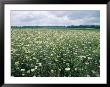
(55,18)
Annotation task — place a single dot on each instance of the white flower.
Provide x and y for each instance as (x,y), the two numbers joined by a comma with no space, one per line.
(67,69)
(49,63)
(36,67)
(82,69)
(89,58)
(17,63)
(52,71)
(86,63)
(56,60)
(34,58)
(32,70)
(89,54)
(27,57)
(73,48)
(82,56)
(93,71)
(82,50)
(40,64)
(23,74)
(59,69)
(22,69)
(77,47)
(37,60)
(51,54)
(39,42)
(85,47)
(75,69)
(83,44)
(89,42)
(27,45)
(75,53)
(28,71)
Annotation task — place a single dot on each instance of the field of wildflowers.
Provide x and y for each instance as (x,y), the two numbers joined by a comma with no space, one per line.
(55,53)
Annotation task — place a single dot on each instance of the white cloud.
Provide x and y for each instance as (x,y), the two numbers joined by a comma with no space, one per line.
(55,18)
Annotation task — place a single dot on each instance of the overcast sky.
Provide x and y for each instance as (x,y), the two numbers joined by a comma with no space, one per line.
(55,18)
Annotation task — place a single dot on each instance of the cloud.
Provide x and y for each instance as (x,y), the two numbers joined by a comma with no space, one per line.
(55,18)
(82,14)
(58,13)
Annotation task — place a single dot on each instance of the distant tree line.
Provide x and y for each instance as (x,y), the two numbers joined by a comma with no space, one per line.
(24,26)
(55,27)
(38,27)
(84,26)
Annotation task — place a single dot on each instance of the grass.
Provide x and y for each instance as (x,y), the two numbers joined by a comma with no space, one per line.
(55,53)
